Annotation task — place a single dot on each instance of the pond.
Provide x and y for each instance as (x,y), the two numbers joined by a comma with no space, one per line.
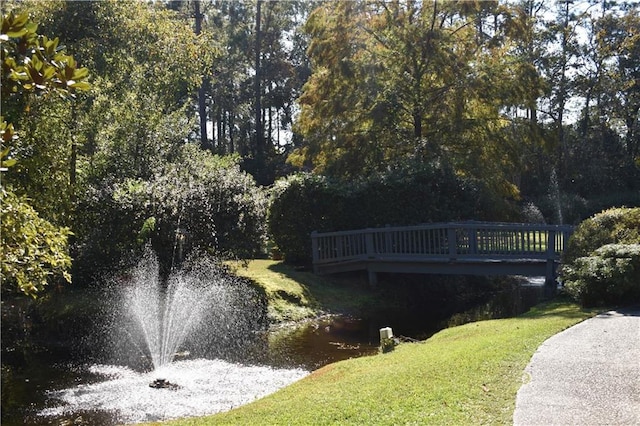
(49,379)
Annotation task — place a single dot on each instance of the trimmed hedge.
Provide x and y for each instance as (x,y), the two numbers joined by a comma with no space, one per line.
(602,261)
(304,203)
(613,226)
(610,276)
(301,204)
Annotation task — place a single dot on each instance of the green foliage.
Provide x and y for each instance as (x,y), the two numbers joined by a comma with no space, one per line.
(602,262)
(216,205)
(415,193)
(32,64)
(199,201)
(35,71)
(106,232)
(148,228)
(609,276)
(256,66)
(612,199)
(146,64)
(301,204)
(613,226)
(146,83)
(407,195)
(33,250)
(125,138)
(406,80)
(7,135)
(43,152)
(35,63)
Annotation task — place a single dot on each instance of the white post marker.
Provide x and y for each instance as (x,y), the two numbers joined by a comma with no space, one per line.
(386,333)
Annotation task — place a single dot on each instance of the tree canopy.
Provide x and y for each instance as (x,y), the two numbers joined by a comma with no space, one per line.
(479,85)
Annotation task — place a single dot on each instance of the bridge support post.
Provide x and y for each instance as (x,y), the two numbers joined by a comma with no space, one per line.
(550,285)
(373,278)
(550,273)
(452,242)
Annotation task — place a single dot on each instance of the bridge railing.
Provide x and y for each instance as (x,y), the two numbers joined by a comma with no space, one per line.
(465,240)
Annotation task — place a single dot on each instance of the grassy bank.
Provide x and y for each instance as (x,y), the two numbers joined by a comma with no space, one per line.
(462,375)
(295,294)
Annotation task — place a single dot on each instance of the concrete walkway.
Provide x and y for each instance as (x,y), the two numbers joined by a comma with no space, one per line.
(587,375)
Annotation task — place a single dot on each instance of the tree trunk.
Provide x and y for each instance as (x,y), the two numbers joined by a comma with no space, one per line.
(257,94)
(202,106)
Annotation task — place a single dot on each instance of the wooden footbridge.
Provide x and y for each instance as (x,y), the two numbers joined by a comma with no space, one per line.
(466,248)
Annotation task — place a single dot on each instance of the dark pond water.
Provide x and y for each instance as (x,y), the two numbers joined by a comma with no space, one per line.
(41,374)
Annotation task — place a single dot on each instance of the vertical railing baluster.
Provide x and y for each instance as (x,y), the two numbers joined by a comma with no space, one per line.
(369,247)
(407,238)
(315,256)
(413,241)
(387,240)
(451,239)
(473,241)
(407,242)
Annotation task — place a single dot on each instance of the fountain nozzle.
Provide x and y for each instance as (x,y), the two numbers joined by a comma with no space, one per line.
(163,384)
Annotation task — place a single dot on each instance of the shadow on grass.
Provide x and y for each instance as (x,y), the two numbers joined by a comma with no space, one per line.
(560,306)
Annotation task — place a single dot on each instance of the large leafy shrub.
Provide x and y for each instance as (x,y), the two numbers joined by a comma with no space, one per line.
(601,264)
(301,204)
(610,276)
(211,202)
(197,201)
(613,226)
(406,195)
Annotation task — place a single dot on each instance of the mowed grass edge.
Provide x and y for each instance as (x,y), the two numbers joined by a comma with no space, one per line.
(462,375)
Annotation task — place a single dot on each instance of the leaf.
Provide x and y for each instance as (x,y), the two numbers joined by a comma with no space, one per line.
(49,72)
(16,33)
(31,27)
(8,163)
(80,73)
(82,85)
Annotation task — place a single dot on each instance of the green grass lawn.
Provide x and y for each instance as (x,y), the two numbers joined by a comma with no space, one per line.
(466,375)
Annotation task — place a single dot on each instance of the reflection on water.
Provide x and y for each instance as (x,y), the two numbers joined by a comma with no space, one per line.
(509,302)
(322,341)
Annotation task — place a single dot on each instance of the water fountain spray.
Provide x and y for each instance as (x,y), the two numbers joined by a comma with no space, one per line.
(198,310)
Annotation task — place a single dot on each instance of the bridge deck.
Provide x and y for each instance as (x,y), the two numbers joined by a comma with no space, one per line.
(468,248)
